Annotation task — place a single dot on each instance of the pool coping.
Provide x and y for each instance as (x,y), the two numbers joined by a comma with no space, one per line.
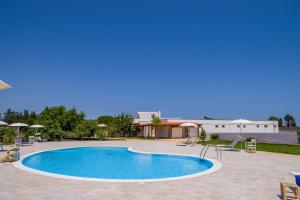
(216,166)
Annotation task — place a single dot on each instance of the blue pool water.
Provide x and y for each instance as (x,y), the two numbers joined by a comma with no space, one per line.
(114,163)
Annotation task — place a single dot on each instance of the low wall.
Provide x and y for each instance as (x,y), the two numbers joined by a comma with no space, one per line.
(278,138)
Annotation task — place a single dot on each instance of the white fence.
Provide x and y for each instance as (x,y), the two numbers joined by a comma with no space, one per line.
(277,138)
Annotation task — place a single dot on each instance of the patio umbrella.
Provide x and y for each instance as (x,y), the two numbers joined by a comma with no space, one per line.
(2,123)
(36,127)
(18,125)
(102,125)
(189,125)
(4,85)
(241,122)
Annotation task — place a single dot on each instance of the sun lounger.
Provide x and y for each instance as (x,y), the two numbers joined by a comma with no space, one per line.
(231,145)
(19,142)
(39,139)
(189,141)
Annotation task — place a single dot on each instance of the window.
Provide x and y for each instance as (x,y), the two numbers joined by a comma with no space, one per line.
(223,126)
(266,126)
(275,126)
(244,126)
(217,126)
(239,126)
(257,126)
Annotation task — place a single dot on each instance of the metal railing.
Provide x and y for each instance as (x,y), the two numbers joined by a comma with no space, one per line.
(208,146)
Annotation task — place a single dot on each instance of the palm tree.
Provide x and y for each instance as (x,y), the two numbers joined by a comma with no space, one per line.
(290,120)
(274,118)
(156,121)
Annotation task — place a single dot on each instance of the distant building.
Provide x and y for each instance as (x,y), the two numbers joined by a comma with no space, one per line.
(170,127)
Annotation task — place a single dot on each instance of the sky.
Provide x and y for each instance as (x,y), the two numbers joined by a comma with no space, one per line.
(222,59)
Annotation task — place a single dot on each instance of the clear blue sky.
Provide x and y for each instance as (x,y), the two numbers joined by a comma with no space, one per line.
(224,59)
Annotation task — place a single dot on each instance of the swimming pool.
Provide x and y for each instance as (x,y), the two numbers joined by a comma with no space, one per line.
(114,163)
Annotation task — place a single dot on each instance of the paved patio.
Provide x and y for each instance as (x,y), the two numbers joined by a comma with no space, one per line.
(243,176)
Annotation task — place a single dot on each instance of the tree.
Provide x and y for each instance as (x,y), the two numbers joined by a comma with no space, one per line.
(101,133)
(86,129)
(7,135)
(280,123)
(124,124)
(105,119)
(207,118)
(25,116)
(156,122)
(202,135)
(290,121)
(60,122)
(274,118)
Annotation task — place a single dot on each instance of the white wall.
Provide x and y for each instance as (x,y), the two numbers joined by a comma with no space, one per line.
(210,126)
(222,126)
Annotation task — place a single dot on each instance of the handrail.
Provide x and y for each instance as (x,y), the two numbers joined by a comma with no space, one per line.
(205,149)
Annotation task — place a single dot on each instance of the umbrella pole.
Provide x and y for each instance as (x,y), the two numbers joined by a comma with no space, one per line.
(241,137)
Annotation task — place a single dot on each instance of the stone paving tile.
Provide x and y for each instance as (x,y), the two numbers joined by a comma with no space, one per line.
(243,176)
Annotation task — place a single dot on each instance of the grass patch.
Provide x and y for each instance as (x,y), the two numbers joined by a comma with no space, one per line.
(276,148)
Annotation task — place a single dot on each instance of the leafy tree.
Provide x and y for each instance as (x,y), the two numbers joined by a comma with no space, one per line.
(60,122)
(86,129)
(207,118)
(156,122)
(111,130)
(274,118)
(25,117)
(290,121)
(71,119)
(202,135)
(101,133)
(7,135)
(106,119)
(124,124)
(280,123)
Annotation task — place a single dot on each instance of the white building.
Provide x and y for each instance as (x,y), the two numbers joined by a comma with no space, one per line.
(170,127)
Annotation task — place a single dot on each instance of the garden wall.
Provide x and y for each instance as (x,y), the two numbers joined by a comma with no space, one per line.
(278,138)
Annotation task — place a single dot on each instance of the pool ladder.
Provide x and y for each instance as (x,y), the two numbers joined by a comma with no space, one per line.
(205,149)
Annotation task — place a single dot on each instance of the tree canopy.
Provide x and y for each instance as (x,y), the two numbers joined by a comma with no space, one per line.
(62,123)
(156,121)
(124,124)
(290,121)
(105,119)
(275,118)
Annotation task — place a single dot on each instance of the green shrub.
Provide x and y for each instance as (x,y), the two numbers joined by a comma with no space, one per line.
(101,133)
(214,136)
(202,135)
(124,124)
(298,133)
(7,135)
